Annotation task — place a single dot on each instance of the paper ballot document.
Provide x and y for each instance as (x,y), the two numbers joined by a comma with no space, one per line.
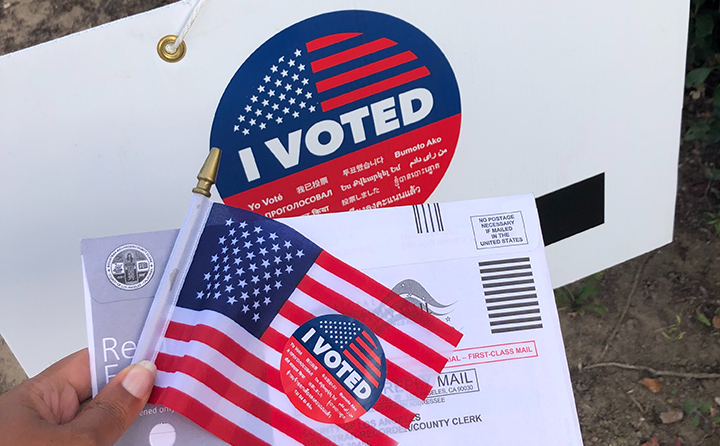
(478,265)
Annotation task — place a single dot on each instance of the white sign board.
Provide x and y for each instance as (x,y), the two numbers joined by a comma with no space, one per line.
(99,136)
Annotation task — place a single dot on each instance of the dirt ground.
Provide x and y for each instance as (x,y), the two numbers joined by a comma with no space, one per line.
(665,292)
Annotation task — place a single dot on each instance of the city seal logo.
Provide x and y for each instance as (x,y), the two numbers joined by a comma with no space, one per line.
(130,267)
(333,369)
(342,111)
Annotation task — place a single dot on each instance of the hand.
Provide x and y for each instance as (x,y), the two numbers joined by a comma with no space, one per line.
(54,408)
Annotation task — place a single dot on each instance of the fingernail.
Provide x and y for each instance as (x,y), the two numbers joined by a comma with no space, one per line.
(139,380)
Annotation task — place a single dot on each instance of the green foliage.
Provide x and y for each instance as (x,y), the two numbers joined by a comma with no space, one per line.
(704,23)
(703,57)
(697,77)
(713,219)
(699,414)
(704,319)
(581,298)
(704,130)
(673,332)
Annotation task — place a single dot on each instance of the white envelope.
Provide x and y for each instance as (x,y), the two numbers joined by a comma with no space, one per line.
(480,265)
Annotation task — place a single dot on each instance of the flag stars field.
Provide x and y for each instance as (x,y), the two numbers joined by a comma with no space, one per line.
(294,282)
(265,284)
(285,75)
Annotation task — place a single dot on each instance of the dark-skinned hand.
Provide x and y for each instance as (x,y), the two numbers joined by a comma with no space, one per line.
(55,408)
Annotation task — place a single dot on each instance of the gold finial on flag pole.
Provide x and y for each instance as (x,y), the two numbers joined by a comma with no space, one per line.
(208,173)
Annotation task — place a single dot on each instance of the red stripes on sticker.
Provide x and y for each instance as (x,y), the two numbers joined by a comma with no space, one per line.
(352,54)
(377,87)
(381,293)
(230,391)
(368,349)
(367,336)
(389,333)
(363,370)
(365,359)
(326,41)
(364,71)
(203,416)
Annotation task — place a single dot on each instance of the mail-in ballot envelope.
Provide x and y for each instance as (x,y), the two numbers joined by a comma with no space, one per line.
(478,265)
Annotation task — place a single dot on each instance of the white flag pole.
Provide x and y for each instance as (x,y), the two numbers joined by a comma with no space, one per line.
(179,262)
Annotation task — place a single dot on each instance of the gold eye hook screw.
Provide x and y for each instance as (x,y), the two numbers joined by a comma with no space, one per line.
(165,54)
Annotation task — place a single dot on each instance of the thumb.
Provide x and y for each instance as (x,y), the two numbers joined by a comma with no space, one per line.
(107,416)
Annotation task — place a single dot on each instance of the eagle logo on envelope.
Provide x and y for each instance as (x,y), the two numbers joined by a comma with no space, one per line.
(274,341)
(346,110)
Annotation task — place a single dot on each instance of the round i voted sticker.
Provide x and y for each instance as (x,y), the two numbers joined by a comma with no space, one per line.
(333,369)
(343,111)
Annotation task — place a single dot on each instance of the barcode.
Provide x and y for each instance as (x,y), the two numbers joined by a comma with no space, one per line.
(510,295)
(428,218)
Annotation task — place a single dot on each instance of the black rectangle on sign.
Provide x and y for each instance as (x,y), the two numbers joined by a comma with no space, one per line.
(572,209)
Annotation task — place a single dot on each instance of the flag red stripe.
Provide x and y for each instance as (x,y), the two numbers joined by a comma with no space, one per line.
(364,71)
(408,381)
(368,434)
(377,87)
(368,349)
(351,54)
(274,339)
(401,340)
(326,41)
(394,411)
(363,370)
(216,339)
(365,359)
(294,313)
(242,398)
(228,347)
(201,415)
(390,299)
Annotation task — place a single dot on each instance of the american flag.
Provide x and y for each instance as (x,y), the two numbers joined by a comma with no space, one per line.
(251,284)
(325,74)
